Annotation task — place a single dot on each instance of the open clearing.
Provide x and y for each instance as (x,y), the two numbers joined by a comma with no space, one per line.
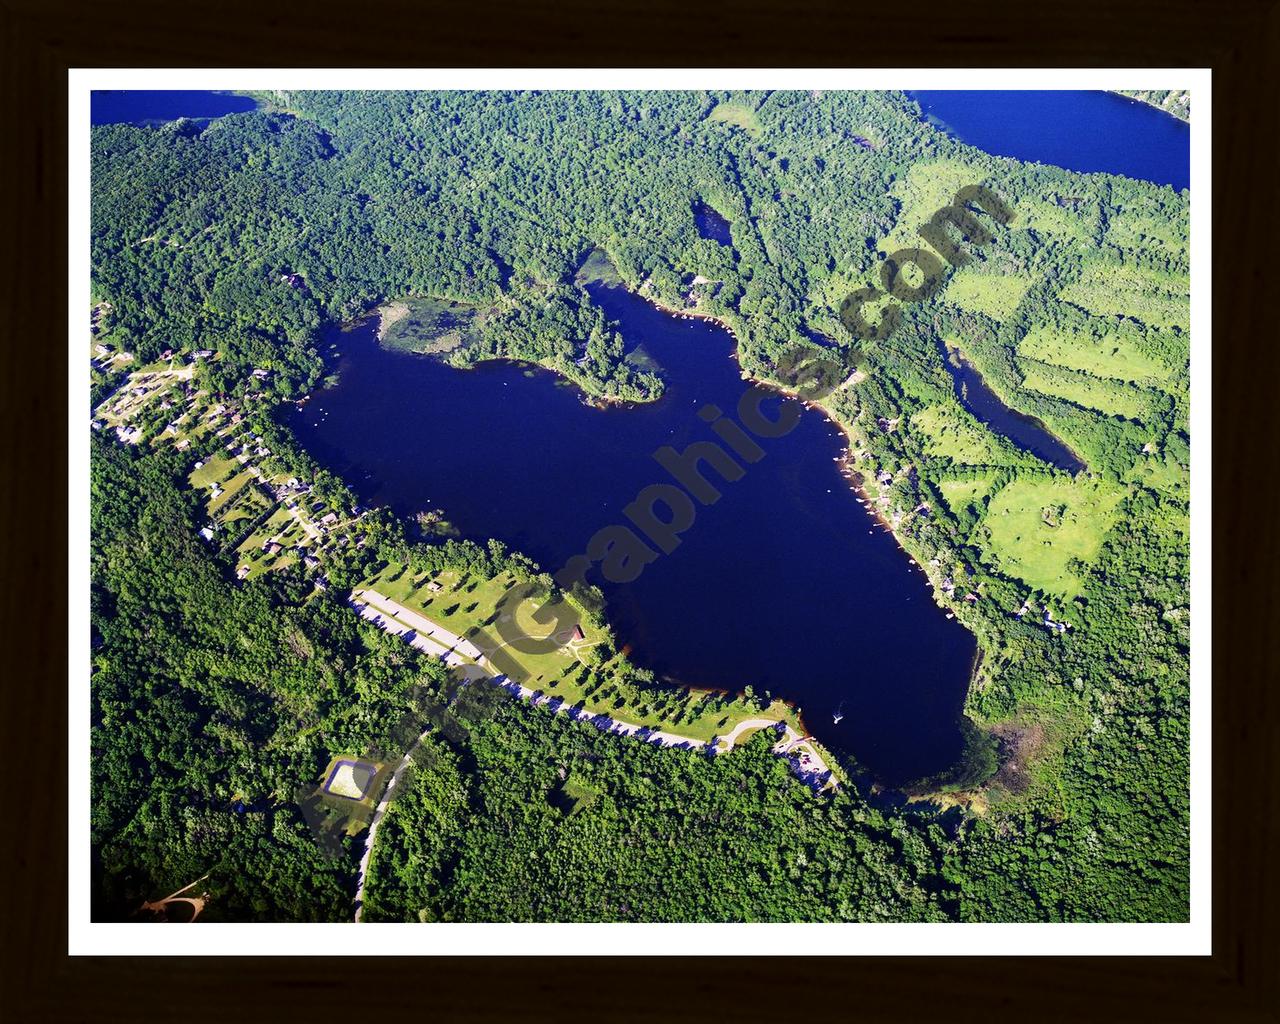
(1109,397)
(1039,527)
(995,295)
(1048,216)
(955,434)
(597,267)
(1109,289)
(1159,227)
(958,494)
(215,470)
(738,114)
(924,190)
(1110,352)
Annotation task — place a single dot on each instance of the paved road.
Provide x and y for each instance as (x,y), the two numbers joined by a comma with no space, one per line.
(378,814)
(427,636)
(420,624)
(805,759)
(392,625)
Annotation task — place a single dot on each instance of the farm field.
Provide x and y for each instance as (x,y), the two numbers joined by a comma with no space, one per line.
(1156,299)
(1038,527)
(1112,352)
(1105,396)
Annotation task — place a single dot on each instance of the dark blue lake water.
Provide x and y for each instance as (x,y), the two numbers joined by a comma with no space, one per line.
(1081,131)
(156,106)
(1027,432)
(711,225)
(786,583)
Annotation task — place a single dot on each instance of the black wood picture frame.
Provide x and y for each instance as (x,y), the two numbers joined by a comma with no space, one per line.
(1238,39)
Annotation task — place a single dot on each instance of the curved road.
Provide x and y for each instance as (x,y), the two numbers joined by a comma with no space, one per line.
(428,636)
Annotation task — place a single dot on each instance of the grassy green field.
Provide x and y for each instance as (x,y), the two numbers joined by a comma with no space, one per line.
(1113,353)
(953,433)
(231,487)
(996,295)
(1037,527)
(466,605)
(1106,396)
(738,114)
(216,469)
(924,190)
(1108,289)
(961,493)
(249,502)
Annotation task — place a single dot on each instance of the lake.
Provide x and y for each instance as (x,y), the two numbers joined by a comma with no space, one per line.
(786,583)
(157,106)
(1027,432)
(1081,131)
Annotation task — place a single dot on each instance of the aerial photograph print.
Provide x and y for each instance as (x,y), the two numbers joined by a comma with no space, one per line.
(637,505)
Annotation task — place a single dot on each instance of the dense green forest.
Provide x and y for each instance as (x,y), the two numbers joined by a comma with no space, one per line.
(1174,101)
(214,701)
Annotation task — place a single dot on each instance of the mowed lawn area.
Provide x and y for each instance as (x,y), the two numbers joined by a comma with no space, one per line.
(214,470)
(1038,526)
(468,606)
